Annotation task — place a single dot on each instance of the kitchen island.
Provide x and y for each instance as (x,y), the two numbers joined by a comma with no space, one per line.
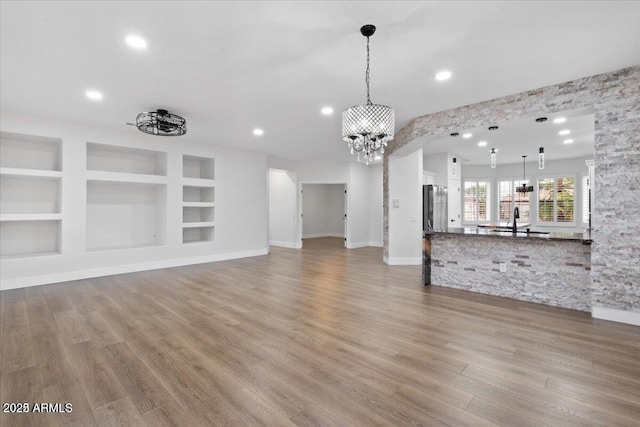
(551,268)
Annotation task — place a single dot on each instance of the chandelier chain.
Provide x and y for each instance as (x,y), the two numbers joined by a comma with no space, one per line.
(367,74)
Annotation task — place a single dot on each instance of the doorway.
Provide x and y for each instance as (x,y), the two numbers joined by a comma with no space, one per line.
(323,211)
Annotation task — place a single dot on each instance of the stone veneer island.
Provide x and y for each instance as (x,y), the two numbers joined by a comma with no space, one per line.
(552,269)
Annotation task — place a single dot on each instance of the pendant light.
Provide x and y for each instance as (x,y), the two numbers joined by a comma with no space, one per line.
(493,158)
(454,167)
(367,128)
(524,188)
(541,158)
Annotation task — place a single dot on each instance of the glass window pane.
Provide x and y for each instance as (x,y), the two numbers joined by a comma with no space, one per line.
(545,200)
(564,199)
(470,201)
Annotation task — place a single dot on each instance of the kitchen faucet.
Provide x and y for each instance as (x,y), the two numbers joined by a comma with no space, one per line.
(516,215)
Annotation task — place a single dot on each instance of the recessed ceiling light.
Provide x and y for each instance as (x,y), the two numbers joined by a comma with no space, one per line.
(559,120)
(93,95)
(136,42)
(568,141)
(258,132)
(327,111)
(564,132)
(482,144)
(467,135)
(443,75)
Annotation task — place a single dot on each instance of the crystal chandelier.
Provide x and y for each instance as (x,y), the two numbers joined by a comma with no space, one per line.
(367,128)
(161,123)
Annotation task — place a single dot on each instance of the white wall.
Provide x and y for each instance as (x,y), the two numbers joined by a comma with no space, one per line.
(405,223)
(323,210)
(283,209)
(241,206)
(437,163)
(375,205)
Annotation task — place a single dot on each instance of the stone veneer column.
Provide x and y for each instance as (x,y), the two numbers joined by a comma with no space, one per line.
(615,100)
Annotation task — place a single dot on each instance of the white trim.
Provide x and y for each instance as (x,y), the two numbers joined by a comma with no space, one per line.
(376,244)
(615,315)
(357,245)
(291,245)
(313,236)
(24,282)
(404,261)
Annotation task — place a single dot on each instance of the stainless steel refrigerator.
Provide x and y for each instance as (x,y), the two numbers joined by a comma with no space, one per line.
(434,208)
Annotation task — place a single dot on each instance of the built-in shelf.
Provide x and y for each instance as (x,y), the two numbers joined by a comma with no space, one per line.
(198,167)
(198,196)
(32,173)
(116,248)
(125,215)
(198,182)
(21,151)
(126,178)
(198,234)
(30,195)
(126,160)
(197,214)
(197,224)
(31,217)
(198,204)
(29,238)
(31,255)
(21,194)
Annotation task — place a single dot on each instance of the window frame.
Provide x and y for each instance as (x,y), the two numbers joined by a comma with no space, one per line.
(489,183)
(512,203)
(555,222)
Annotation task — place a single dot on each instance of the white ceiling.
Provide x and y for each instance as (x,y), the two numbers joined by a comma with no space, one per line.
(229,67)
(515,139)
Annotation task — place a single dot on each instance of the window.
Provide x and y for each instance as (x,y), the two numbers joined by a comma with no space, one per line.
(556,200)
(477,201)
(509,198)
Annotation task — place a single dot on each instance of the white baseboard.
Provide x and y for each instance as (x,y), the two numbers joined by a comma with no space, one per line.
(357,245)
(313,236)
(615,315)
(364,245)
(404,261)
(385,259)
(285,244)
(24,282)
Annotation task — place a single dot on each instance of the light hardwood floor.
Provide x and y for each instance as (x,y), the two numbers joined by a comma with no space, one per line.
(319,336)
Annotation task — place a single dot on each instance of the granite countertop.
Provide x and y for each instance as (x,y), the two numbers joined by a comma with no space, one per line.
(522,234)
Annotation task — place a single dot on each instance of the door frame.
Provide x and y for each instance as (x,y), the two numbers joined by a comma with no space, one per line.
(347,219)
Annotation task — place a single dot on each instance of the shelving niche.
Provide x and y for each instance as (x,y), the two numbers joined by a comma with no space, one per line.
(198,199)
(126,160)
(126,197)
(30,195)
